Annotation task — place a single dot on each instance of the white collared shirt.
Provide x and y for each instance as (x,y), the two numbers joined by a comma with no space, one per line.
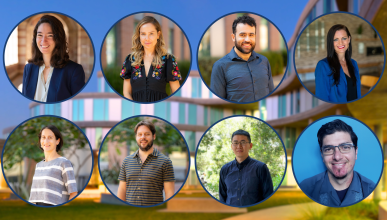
(42,88)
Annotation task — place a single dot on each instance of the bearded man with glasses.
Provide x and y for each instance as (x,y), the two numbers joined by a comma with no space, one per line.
(244,181)
(340,184)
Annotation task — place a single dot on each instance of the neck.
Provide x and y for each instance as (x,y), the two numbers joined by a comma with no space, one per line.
(242,55)
(145,153)
(241,159)
(149,52)
(341,57)
(47,60)
(340,184)
(48,156)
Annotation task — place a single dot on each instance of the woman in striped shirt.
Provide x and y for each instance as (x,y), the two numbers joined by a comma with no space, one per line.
(54,180)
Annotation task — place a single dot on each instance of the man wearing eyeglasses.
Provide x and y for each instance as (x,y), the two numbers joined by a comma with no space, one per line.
(244,181)
(340,184)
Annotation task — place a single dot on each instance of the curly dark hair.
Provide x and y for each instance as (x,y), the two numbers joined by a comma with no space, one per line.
(333,127)
(60,55)
(245,19)
(57,134)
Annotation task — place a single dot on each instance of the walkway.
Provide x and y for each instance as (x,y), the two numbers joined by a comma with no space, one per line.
(291,212)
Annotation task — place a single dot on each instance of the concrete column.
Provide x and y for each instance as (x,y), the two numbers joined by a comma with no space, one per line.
(378,129)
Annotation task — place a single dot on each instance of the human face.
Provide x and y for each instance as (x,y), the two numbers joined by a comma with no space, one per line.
(45,39)
(149,36)
(244,38)
(48,141)
(144,138)
(339,165)
(241,151)
(341,41)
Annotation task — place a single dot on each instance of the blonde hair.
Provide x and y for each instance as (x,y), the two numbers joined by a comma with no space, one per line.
(137,48)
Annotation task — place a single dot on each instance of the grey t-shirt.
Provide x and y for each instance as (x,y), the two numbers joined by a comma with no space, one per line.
(238,80)
(53,182)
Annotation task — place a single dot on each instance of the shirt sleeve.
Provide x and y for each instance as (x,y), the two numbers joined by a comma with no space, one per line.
(266,188)
(322,80)
(172,69)
(218,80)
(126,70)
(122,176)
(168,174)
(222,186)
(271,84)
(69,177)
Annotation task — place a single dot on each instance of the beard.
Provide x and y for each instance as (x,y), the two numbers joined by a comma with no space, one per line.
(339,177)
(147,147)
(239,47)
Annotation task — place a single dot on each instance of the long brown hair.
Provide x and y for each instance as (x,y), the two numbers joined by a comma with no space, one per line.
(60,55)
(138,49)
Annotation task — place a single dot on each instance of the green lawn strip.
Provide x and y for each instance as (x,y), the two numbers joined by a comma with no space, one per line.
(367,210)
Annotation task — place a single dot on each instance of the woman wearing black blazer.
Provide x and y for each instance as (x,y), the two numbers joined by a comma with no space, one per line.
(50,76)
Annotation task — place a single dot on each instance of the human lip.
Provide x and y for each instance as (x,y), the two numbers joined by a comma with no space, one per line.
(341,47)
(44,47)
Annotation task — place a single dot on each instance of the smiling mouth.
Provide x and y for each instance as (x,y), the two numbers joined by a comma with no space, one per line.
(341,47)
(44,47)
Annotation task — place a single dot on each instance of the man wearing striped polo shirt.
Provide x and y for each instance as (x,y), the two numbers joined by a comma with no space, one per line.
(147,172)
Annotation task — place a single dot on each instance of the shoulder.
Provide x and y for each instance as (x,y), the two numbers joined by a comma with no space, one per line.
(71,65)
(222,61)
(365,180)
(354,62)
(65,162)
(257,163)
(226,166)
(263,58)
(168,57)
(163,158)
(312,181)
(323,62)
(129,158)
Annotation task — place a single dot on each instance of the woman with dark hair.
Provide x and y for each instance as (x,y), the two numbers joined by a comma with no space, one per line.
(337,76)
(54,180)
(149,68)
(50,76)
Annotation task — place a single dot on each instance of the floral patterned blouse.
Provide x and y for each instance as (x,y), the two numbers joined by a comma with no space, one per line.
(150,88)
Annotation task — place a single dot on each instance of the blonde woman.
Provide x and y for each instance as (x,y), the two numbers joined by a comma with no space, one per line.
(149,67)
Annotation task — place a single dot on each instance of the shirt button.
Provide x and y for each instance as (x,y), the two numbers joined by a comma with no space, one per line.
(238,199)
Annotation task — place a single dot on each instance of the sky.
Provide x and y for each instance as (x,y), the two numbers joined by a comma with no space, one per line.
(97,17)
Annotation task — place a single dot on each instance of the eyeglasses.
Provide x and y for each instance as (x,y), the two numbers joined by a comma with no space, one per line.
(343,148)
(243,143)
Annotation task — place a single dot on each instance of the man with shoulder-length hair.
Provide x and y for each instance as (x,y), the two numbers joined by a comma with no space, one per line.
(147,172)
(340,184)
(242,75)
(244,181)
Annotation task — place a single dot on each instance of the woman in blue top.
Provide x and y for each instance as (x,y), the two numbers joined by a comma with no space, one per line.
(337,75)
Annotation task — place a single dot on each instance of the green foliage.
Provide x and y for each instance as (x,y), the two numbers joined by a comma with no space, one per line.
(112,75)
(24,143)
(277,60)
(215,150)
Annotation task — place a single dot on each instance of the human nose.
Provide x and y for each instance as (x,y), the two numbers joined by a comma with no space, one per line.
(337,155)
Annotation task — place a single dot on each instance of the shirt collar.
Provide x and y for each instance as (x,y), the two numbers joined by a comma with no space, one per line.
(354,186)
(155,153)
(233,55)
(244,163)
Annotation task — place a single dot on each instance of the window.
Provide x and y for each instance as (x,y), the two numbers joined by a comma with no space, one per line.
(162,110)
(262,109)
(11,49)
(101,110)
(195,87)
(281,106)
(314,102)
(290,137)
(78,110)
(192,112)
(52,109)
(298,101)
(190,138)
(181,113)
(328,6)
(127,109)
(215,115)
(205,121)
(111,47)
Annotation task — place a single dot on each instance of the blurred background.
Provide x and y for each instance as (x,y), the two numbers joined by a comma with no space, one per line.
(121,142)
(217,42)
(22,153)
(367,49)
(289,110)
(19,44)
(118,45)
(215,151)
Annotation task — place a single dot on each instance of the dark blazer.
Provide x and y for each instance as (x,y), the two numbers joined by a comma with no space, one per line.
(325,90)
(65,82)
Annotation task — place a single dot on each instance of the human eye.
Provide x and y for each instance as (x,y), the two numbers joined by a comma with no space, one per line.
(335,39)
(327,149)
(50,35)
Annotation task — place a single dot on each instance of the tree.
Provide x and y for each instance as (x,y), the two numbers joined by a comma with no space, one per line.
(215,150)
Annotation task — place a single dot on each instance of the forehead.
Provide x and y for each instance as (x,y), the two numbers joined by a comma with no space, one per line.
(143,129)
(44,27)
(239,137)
(340,33)
(47,132)
(244,28)
(337,138)
(148,27)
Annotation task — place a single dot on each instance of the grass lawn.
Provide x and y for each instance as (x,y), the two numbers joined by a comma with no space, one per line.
(87,209)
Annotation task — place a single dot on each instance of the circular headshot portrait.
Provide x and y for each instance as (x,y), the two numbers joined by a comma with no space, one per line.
(47,161)
(49,57)
(339,57)
(145,57)
(240,161)
(337,161)
(242,57)
(144,161)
